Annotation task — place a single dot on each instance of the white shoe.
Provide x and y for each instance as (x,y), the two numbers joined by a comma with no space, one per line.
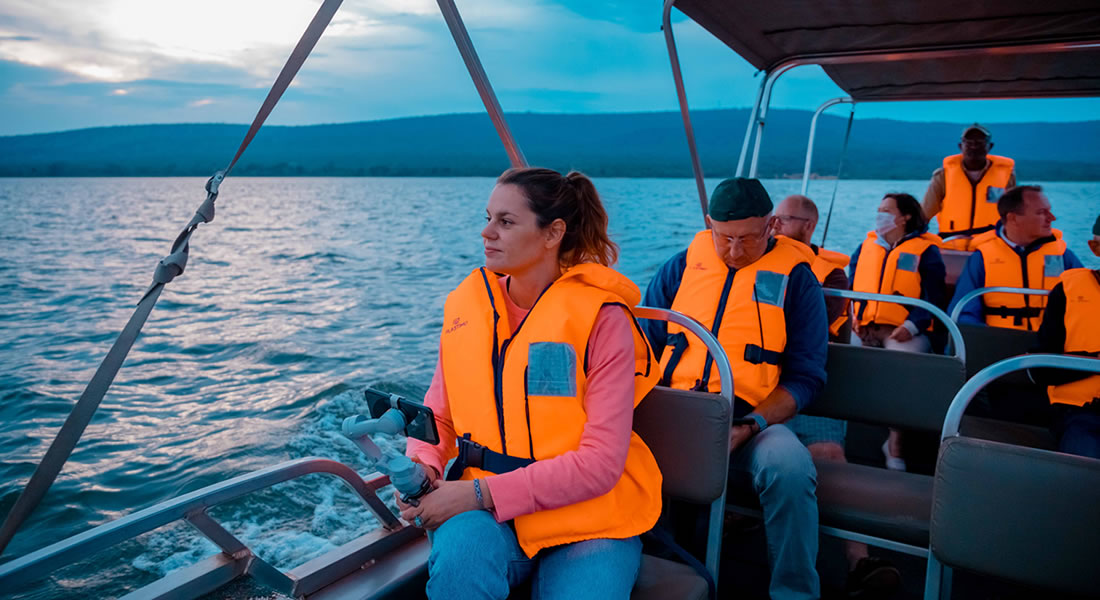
(892,462)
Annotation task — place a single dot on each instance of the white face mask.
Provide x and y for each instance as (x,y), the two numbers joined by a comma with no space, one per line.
(884,223)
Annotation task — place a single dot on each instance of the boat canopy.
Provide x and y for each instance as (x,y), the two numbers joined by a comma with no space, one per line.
(933,49)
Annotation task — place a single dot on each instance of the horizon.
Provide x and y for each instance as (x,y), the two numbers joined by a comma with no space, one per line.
(79,65)
(543,113)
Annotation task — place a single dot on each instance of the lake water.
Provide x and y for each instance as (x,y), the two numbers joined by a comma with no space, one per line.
(301,293)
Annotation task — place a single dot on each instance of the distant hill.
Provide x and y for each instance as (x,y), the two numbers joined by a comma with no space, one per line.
(604,145)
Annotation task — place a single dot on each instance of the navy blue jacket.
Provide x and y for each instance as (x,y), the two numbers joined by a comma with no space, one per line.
(802,366)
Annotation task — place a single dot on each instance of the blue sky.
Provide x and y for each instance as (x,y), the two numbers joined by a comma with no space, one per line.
(69,64)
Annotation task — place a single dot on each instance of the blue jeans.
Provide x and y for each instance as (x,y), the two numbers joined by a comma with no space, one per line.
(782,473)
(473,556)
(1077,429)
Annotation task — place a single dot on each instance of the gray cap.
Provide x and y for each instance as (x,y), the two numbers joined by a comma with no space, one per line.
(980,129)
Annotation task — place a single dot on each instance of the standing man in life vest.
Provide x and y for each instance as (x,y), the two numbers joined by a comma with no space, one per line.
(760,298)
(1070,326)
(962,195)
(796,217)
(1023,251)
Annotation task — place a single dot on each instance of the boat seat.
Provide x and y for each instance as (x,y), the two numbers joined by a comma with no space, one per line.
(1008,432)
(1046,536)
(660,578)
(887,388)
(1012,397)
(892,505)
(688,433)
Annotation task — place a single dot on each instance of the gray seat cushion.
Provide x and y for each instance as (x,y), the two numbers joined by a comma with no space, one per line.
(1023,514)
(1008,432)
(660,579)
(869,500)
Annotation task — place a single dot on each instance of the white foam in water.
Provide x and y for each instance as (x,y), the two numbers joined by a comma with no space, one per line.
(295,521)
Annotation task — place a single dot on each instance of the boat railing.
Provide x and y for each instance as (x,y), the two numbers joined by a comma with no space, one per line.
(1038,533)
(725,373)
(970,296)
(957,344)
(235,558)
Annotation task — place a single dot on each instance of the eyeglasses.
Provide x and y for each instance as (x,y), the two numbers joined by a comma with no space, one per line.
(744,240)
(788,218)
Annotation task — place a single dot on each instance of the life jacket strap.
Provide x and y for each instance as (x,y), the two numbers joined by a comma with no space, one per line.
(1017,314)
(679,343)
(755,355)
(971,232)
(473,454)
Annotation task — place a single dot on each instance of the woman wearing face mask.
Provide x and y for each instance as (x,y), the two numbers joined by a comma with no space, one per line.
(541,365)
(899,257)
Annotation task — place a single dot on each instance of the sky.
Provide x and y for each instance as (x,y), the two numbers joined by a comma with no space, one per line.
(70,64)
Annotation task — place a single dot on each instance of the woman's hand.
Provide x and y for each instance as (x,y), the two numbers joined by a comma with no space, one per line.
(429,472)
(447,500)
(901,334)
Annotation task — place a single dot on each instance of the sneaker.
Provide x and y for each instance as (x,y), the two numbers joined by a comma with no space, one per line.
(892,462)
(873,577)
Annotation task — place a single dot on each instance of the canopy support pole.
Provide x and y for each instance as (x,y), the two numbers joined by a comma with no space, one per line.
(681,97)
(762,116)
(748,127)
(813,133)
(481,80)
(839,172)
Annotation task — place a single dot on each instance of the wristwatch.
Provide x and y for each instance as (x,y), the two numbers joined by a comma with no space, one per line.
(761,423)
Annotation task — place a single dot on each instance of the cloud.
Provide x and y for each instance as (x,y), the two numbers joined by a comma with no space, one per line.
(202,102)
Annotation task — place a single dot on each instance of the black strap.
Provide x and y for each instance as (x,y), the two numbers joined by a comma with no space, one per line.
(473,454)
(971,232)
(679,343)
(1017,314)
(664,538)
(755,355)
(168,269)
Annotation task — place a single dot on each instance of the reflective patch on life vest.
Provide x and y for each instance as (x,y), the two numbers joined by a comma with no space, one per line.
(993,194)
(907,261)
(770,288)
(1053,265)
(551,369)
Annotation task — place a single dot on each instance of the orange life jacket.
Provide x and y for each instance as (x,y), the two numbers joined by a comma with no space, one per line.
(891,272)
(1038,269)
(1082,322)
(825,263)
(966,205)
(752,327)
(521,393)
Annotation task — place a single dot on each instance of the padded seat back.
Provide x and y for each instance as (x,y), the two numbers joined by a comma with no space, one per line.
(688,433)
(887,387)
(1026,515)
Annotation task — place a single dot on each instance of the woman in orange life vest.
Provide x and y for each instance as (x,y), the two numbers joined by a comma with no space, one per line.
(898,257)
(541,366)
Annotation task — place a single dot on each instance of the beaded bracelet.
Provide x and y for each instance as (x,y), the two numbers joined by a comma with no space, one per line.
(477,492)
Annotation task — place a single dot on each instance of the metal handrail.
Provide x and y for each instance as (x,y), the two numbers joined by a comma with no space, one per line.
(813,133)
(681,97)
(971,295)
(725,372)
(952,328)
(187,507)
(967,392)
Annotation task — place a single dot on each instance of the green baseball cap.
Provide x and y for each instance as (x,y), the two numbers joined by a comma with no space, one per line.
(739,198)
(980,129)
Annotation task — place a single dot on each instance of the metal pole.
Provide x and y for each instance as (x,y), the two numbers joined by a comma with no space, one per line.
(769,83)
(481,80)
(813,133)
(748,127)
(681,97)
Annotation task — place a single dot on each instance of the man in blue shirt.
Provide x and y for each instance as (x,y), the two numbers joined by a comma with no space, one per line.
(1023,251)
(747,287)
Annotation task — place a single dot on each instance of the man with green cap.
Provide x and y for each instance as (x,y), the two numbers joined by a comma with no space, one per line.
(757,294)
(1070,326)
